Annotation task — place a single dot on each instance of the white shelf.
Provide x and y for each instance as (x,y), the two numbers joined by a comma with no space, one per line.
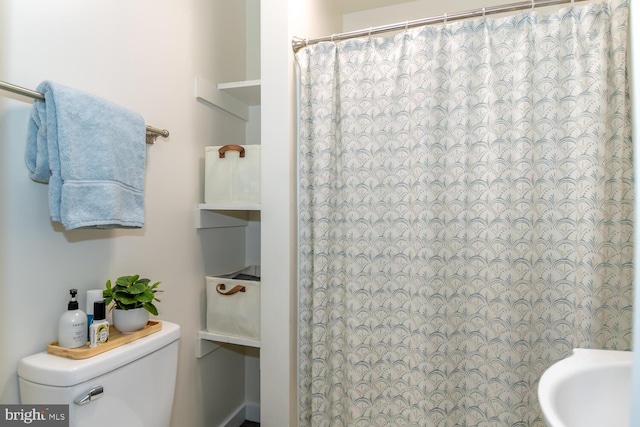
(229,206)
(247,91)
(218,215)
(221,338)
(235,97)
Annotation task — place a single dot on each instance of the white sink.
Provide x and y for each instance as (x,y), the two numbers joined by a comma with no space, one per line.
(591,388)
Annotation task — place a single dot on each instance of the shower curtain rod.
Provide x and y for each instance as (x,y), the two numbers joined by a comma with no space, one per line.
(155,132)
(298,43)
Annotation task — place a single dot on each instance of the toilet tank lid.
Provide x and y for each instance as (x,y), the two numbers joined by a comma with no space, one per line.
(48,369)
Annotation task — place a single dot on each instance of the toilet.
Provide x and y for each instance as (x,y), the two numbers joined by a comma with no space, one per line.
(128,386)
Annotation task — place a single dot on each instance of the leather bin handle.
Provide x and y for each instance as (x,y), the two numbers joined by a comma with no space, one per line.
(237,288)
(231,147)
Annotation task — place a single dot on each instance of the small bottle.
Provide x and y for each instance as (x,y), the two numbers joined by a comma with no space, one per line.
(72,326)
(93,295)
(99,329)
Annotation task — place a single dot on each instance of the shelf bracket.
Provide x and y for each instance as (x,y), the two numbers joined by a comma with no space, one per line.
(212,96)
(220,219)
(204,347)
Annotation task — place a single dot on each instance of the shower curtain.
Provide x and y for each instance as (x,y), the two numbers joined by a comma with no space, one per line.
(465,216)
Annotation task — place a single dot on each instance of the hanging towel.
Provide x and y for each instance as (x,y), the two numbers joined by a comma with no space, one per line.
(92,153)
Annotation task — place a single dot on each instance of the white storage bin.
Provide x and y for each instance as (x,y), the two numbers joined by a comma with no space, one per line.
(232,174)
(233,303)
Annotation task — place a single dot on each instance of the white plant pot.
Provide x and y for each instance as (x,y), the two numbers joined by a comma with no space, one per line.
(128,321)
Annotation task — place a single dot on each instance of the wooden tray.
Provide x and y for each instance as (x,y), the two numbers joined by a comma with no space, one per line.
(116,339)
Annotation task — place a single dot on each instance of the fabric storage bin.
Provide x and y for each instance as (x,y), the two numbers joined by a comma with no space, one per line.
(232,174)
(233,303)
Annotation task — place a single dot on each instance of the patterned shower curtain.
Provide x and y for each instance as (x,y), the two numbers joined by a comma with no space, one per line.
(465,216)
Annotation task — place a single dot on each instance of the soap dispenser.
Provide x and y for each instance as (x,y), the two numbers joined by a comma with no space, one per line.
(72,327)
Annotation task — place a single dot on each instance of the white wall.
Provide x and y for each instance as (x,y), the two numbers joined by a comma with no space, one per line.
(253,39)
(417,9)
(411,10)
(144,55)
(278,331)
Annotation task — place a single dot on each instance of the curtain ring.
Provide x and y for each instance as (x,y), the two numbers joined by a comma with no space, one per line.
(484,12)
(332,37)
(445,17)
(533,4)
(406,26)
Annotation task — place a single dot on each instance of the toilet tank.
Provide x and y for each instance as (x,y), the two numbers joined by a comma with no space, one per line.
(137,382)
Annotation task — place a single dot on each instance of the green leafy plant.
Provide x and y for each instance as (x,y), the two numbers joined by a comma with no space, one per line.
(131,292)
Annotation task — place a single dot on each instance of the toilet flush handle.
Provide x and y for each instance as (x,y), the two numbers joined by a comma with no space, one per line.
(91,395)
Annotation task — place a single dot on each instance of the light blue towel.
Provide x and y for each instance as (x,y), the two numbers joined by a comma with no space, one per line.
(92,153)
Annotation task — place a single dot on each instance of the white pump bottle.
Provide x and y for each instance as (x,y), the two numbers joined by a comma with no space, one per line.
(72,326)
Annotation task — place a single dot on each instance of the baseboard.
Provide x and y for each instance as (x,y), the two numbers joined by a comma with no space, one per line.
(236,418)
(252,411)
(247,411)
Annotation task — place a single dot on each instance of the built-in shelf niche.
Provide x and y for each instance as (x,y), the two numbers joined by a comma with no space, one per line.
(234,97)
(247,91)
(209,341)
(217,215)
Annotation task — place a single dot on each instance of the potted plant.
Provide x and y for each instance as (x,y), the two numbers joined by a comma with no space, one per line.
(133,299)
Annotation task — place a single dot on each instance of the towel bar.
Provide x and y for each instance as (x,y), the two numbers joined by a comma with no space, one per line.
(152,132)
